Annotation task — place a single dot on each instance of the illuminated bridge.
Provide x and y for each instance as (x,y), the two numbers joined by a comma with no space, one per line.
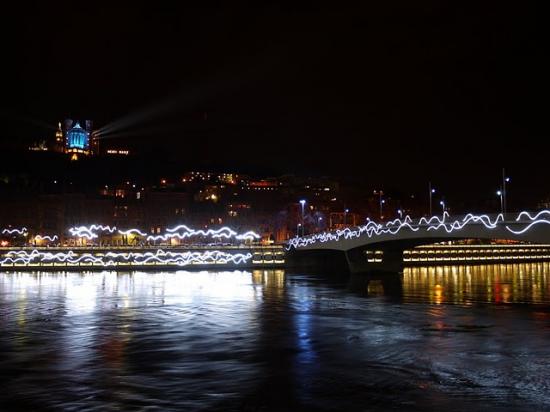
(110,247)
(380,246)
(142,258)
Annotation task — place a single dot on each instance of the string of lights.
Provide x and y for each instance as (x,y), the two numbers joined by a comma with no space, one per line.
(48,238)
(433,223)
(180,232)
(541,213)
(159,257)
(21,231)
(89,232)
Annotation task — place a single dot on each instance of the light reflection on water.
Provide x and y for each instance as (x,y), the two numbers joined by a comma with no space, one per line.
(438,337)
(501,283)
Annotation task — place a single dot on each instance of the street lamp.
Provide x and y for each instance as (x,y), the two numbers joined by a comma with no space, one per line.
(303,203)
(298,229)
(505,180)
(400,213)
(442,203)
(431,191)
(500,193)
(380,202)
(345,215)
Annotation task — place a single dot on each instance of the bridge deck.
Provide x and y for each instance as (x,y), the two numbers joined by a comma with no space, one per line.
(132,258)
(354,246)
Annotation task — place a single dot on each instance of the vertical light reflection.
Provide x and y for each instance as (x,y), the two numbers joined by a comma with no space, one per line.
(499,283)
(90,300)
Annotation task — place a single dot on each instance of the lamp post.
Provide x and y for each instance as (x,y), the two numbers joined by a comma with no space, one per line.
(442,203)
(400,212)
(303,203)
(298,229)
(431,191)
(345,215)
(500,193)
(504,181)
(381,202)
(319,220)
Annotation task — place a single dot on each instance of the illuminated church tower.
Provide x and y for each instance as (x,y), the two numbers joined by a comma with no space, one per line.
(72,138)
(77,138)
(58,145)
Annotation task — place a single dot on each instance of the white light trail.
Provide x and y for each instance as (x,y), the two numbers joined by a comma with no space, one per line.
(130,231)
(542,212)
(529,226)
(468,219)
(183,232)
(434,223)
(159,257)
(88,232)
(21,231)
(250,235)
(48,238)
(179,227)
(179,232)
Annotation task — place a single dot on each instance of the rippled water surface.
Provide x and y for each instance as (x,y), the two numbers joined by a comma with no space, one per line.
(430,339)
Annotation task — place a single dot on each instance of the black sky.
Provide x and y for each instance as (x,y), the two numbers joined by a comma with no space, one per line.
(395,93)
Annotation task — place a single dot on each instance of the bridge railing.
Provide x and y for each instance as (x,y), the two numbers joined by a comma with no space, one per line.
(489,220)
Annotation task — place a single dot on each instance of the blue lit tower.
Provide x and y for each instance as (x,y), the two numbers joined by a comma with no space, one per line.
(77,138)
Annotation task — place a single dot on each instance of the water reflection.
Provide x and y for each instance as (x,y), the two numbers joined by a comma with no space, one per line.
(504,283)
(268,340)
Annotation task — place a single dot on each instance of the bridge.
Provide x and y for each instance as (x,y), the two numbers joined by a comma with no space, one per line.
(187,257)
(379,246)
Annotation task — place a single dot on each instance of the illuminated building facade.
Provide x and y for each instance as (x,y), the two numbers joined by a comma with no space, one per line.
(75,138)
(59,139)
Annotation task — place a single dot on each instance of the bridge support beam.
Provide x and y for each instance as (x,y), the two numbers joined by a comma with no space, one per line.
(319,261)
(391,261)
(352,261)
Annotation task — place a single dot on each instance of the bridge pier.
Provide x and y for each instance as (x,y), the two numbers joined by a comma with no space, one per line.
(319,261)
(360,261)
(349,262)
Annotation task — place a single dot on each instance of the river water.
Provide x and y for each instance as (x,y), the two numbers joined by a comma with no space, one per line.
(440,338)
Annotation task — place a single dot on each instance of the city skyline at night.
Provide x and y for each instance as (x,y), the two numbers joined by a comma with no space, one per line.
(310,90)
(272,206)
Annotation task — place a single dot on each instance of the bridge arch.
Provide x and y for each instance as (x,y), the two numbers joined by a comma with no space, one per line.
(346,248)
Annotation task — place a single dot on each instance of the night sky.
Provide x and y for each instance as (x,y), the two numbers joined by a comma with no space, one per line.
(391,93)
